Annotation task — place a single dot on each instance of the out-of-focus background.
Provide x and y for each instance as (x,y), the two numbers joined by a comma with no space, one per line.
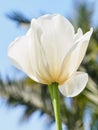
(26,105)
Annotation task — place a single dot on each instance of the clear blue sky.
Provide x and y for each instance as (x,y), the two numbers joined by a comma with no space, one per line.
(9,118)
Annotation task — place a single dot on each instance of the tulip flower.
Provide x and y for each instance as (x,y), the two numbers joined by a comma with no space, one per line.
(51,52)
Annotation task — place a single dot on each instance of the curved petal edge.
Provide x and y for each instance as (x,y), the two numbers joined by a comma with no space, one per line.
(74,85)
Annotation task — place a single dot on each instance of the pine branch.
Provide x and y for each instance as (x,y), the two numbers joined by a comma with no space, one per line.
(19,18)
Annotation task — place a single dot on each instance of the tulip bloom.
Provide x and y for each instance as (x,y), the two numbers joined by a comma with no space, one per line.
(51,52)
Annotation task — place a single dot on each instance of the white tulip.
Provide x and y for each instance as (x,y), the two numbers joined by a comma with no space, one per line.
(52,52)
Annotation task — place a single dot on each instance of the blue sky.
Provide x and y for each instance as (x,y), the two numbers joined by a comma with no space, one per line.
(9,118)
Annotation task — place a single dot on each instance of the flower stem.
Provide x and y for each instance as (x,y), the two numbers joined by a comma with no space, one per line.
(53,89)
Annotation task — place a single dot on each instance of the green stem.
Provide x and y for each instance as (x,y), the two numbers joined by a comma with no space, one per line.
(53,89)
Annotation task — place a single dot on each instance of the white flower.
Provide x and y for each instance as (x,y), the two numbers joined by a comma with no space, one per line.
(51,52)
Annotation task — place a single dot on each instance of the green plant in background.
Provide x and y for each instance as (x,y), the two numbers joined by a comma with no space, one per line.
(20,92)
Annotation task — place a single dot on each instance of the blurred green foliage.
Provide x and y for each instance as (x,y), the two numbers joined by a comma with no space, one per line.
(34,96)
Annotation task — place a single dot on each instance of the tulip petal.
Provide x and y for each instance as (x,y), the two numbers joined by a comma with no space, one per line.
(54,36)
(75,57)
(74,85)
(36,54)
(56,40)
(78,35)
(18,54)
